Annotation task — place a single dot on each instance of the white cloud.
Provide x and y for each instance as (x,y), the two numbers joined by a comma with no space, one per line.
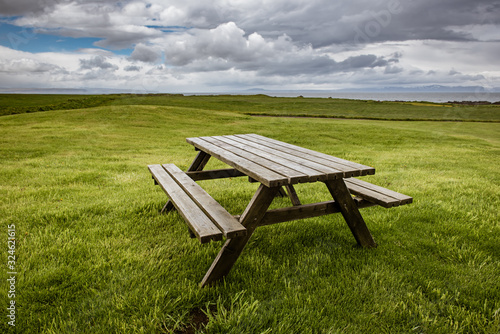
(230,43)
(227,42)
(28,66)
(92,20)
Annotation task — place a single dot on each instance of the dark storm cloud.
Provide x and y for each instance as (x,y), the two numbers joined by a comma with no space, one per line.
(98,62)
(24,7)
(310,39)
(132,68)
(145,54)
(37,7)
(436,19)
(321,65)
(319,23)
(324,23)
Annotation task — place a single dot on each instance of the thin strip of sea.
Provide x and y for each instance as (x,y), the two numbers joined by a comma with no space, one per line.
(436,97)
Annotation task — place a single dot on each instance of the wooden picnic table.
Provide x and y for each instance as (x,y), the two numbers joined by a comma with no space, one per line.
(275,165)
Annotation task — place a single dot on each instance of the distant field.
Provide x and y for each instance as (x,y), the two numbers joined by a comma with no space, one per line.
(35,100)
(262,105)
(28,103)
(93,254)
(321,107)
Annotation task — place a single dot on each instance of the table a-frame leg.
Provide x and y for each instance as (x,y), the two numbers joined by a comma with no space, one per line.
(232,248)
(351,213)
(199,161)
(293,195)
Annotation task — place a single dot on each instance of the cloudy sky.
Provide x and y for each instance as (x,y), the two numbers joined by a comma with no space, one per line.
(222,45)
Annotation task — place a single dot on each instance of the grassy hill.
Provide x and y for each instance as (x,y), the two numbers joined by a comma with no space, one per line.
(262,105)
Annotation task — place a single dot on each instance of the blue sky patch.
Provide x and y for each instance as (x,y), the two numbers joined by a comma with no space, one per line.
(29,40)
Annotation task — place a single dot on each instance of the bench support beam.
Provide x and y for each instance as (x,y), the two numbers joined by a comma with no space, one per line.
(214,174)
(169,206)
(350,211)
(232,248)
(305,211)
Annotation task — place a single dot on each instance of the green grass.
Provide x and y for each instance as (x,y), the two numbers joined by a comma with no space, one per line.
(28,103)
(319,107)
(94,255)
(262,105)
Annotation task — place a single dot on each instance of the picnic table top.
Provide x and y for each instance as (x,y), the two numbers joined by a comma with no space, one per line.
(275,163)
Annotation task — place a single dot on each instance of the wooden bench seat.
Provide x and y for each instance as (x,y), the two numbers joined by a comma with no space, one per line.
(376,194)
(206,218)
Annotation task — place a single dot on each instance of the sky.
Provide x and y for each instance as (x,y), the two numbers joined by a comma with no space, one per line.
(182,46)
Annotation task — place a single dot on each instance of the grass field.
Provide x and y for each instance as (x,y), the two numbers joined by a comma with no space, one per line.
(262,105)
(93,255)
(321,107)
(28,103)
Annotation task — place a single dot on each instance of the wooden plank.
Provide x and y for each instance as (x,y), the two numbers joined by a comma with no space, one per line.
(167,207)
(320,165)
(315,171)
(382,196)
(194,217)
(281,192)
(232,249)
(214,174)
(351,214)
(305,211)
(306,151)
(198,164)
(308,173)
(266,162)
(253,170)
(229,226)
(199,161)
(350,168)
(372,196)
(292,194)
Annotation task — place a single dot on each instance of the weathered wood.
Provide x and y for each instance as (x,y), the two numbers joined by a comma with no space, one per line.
(232,249)
(250,168)
(321,170)
(229,226)
(343,164)
(293,195)
(281,192)
(199,161)
(376,194)
(351,214)
(195,218)
(316,158)
(267,162)
(315,168)
(198,164)
(169,206)
(275,165)
(214,174)
(305,211)
(303,170)
(350,168)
